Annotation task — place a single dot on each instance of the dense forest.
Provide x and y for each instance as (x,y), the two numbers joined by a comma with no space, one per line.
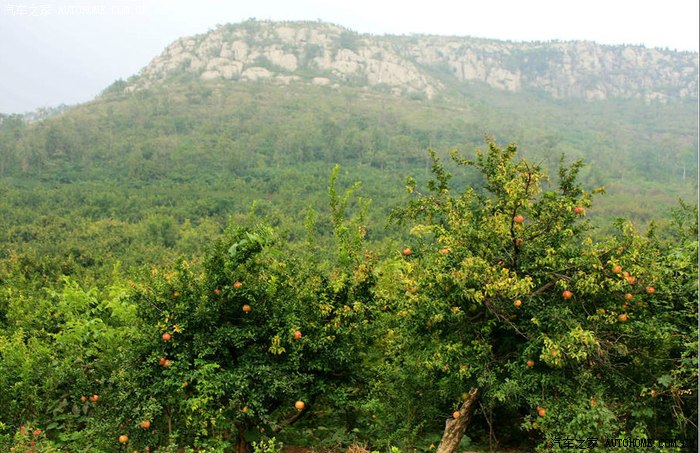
(201,265)
(165,168)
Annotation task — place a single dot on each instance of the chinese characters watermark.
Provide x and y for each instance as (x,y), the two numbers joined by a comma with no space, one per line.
(26,10)
(44,10)
(590,443)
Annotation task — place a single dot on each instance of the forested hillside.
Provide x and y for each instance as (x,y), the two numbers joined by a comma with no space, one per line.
(182,259)
(154,168)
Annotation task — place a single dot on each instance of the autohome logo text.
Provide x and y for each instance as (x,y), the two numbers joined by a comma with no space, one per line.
(689,444)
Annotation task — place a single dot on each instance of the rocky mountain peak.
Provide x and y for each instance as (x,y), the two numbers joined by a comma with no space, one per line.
(422,65)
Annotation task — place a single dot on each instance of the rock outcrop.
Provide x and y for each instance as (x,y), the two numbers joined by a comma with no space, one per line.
(326,54)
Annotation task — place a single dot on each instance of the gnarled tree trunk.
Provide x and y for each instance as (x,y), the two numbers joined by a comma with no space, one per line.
(456,427)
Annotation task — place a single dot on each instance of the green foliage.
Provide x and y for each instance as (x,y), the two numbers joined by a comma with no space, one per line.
(599,358)
(271,446)
(144,177)
(58,348)
(380,340)
(251,331)
(348,40)
(30,440)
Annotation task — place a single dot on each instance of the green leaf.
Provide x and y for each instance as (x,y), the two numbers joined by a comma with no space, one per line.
(665,380)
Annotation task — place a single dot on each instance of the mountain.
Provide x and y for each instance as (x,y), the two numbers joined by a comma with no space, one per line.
(251,118)
(140,312)
(326,54)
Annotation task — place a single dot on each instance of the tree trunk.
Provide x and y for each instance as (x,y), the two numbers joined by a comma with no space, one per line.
(456,427)
(241,444)
(290,421)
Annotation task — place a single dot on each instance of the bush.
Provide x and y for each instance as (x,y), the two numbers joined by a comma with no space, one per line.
(505,291)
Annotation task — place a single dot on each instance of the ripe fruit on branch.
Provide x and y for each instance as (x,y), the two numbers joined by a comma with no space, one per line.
(123,439)
(167,363)
(407,252)
(518,219)
(518,303)
(297,335)
(567,294)
(651,290)
(629,296)
(83,398)
(95,398)
(455,414)
(145,424)
(444,250)
(167,336)
(299,405)
(237,284)
(246,308)
(622,317)
(530,363)
(617,269)
(162,361)
(217,291)
(579,210)
(541,411)
(630,279)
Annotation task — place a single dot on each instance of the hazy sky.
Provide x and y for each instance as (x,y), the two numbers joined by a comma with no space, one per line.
(54,52)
